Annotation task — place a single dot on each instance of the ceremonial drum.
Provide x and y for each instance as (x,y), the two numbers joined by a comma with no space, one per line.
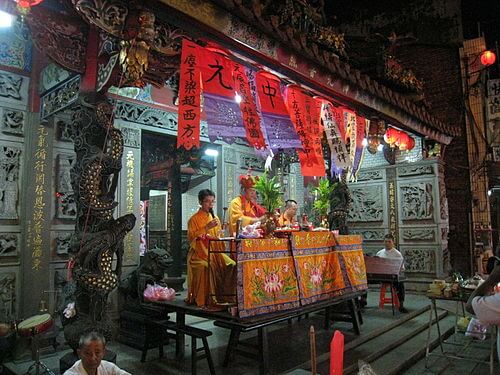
(35,325)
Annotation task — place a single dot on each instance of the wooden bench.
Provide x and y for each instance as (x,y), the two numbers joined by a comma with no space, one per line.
(195,334)
(140,331)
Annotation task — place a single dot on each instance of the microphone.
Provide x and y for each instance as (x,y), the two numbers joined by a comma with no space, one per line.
(211,212)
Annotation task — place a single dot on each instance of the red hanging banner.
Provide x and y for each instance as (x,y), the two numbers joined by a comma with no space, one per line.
(317,128)
(248,107)
(188,128)
(280,131)
(300,107)
(217,72)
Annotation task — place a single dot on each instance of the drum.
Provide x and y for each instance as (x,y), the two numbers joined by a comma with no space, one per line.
(35,325)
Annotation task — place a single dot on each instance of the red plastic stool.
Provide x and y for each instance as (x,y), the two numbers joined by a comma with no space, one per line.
(393,299)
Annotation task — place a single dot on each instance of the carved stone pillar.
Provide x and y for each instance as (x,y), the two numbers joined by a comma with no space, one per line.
(175,278)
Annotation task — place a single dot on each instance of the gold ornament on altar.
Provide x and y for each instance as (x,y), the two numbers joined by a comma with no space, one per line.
(134,53)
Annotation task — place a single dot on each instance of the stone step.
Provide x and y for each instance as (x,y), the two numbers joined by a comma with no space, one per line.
(389,340)
(410,351)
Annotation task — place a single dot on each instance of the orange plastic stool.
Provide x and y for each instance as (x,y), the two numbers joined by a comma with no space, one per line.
(393,300)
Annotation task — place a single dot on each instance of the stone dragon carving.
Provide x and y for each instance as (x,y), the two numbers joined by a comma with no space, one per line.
(98,237)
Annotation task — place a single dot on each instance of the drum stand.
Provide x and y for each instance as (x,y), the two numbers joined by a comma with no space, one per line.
(35,354)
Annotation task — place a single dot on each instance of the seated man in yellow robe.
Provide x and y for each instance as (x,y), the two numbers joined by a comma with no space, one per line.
(201,226)
(289,215)
(245,205)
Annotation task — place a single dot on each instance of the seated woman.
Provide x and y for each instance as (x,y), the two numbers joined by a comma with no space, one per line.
(201,226)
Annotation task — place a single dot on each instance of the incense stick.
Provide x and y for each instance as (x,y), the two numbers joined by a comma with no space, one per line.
(312,340)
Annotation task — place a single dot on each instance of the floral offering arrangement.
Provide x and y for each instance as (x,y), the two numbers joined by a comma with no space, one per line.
(251,231)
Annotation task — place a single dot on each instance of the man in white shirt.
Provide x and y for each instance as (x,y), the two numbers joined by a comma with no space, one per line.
(485,304)
(91,350)
(389,251)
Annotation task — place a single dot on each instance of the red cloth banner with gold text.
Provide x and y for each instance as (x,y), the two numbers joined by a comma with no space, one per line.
(222,113)
(300,107)
(248,107)
(188,129)
(275,118)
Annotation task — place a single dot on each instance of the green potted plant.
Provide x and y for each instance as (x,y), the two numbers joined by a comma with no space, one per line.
(322,195)
(271,194)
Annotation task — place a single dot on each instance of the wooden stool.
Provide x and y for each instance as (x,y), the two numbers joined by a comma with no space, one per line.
(393,300)
(195,334)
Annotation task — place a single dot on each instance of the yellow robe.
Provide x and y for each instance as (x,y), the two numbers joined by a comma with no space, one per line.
(222,274)
(242,208)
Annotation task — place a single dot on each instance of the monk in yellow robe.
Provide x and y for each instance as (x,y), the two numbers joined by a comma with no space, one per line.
(289,215)
(201,226)
(245,205)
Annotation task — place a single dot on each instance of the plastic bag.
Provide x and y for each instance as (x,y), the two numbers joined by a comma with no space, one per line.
(477,329)
(365,368)
(158,293)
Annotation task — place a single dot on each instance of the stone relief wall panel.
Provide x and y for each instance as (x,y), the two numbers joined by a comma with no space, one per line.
(9,292)
(64,129)
(369,234)
(12,121)
(61,244)
(65,196)
(416,201)
(415,170)
(367,175)
(418,235)
(10,159)
(131,137)
(422,260)
(367,203)
(145,115)
(9,245)
(251,162)
(14,89)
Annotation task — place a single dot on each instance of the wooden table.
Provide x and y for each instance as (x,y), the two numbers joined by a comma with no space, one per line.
(260,323)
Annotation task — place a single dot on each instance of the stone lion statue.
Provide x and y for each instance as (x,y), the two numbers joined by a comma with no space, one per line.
(151,270)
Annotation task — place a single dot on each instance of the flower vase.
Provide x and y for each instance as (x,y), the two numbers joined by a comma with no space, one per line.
(268,225)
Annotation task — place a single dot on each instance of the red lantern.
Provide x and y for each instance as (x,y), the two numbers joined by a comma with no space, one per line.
(28,3)
(391,136)
(403,141)
(411,144)
(488,58)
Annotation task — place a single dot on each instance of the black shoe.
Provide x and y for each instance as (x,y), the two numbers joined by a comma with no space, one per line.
(403,310)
